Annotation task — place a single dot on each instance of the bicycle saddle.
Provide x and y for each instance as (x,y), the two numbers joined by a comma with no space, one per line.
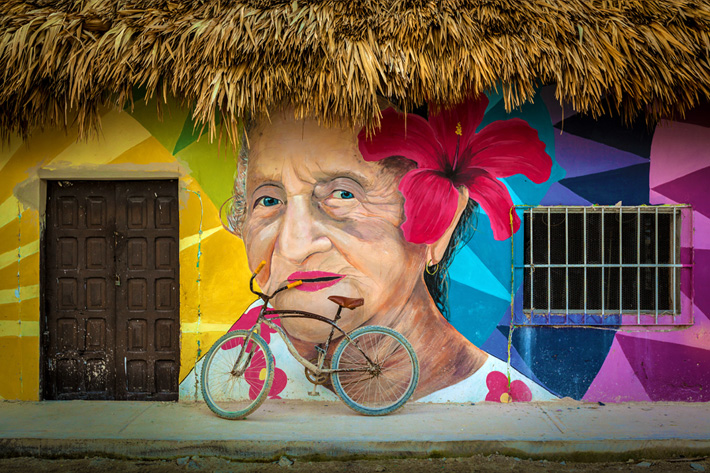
(347,302)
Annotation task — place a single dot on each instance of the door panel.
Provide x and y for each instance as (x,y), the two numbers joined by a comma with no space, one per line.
(111,286)
(147,303)
(80,320)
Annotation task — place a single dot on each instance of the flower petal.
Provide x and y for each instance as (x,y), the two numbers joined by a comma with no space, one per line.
(468,115)
(255,388)
(520,392)
(280,381)
(493,197)
(497,384)
(412,138)
(508,147)
(246,322)
(430,202)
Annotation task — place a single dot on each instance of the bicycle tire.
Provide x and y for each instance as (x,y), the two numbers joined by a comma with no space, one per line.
(365,392)
(235,397)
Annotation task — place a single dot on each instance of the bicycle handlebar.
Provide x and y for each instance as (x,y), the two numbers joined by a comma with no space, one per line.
(266,297)
(259,268)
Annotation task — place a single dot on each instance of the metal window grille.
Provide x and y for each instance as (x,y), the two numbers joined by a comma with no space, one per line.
(604,261)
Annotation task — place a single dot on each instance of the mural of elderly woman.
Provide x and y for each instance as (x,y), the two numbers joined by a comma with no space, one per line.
(380,217)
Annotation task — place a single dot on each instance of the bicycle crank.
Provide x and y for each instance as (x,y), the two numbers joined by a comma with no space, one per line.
(318,379)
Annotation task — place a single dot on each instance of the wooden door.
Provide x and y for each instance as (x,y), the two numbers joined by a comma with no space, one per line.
(147,301)
(111,306)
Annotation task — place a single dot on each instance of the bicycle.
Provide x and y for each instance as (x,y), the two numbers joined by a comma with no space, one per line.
(373,369)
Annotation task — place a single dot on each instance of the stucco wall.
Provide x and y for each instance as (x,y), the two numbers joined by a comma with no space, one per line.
(594,162)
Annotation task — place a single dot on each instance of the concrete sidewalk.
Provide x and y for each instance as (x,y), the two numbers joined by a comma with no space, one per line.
(555,430)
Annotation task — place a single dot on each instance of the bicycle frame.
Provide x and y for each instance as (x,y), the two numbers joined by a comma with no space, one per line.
(283,314)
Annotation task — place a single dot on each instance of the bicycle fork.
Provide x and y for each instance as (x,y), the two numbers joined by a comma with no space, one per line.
(323,351)
(241,364)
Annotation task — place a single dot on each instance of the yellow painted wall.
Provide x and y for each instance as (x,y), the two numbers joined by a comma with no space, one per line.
(133,145)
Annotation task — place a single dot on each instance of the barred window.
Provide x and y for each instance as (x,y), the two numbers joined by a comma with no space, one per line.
(604,265)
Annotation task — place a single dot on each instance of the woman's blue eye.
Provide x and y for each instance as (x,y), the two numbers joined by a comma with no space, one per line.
(269,201)
(343,195)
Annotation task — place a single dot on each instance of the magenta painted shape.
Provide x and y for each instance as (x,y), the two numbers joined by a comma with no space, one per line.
(677,149)
(668,371)
(689,189)
(616,380)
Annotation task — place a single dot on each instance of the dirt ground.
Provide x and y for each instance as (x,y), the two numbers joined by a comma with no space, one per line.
(478,463)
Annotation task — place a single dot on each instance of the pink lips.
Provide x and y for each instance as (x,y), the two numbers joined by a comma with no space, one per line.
(315,280)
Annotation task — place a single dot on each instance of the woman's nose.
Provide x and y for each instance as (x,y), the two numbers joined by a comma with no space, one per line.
(302,232)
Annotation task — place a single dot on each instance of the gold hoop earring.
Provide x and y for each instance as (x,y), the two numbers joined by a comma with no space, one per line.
(434,271)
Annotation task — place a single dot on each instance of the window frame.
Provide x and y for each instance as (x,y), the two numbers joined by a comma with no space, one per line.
(548,317)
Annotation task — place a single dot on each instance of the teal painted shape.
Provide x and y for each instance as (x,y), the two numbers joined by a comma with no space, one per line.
(479,292)
(493,254)
(468,269)
(493,99)
(474,314)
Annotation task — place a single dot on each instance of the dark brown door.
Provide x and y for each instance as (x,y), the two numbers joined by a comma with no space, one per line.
(111,305)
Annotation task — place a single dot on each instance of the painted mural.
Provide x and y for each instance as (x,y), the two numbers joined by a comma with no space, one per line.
(439,274)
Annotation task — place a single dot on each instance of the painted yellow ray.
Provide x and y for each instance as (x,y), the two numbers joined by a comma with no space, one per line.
(13,328)
(10,257)
(40,149)
(148,152)
(192,240)
(8,296)
(9,210)
(192,327)
(120,133)
(8,150)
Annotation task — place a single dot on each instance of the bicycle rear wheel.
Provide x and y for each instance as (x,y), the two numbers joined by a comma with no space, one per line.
(383,386)
(236,378)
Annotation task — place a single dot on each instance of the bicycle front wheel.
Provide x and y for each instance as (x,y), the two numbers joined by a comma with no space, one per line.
(380,387)
(236,378)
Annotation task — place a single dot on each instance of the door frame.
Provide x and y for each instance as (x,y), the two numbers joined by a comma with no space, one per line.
(46,175)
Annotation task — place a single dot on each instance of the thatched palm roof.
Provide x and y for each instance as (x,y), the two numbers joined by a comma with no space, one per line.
(63,60)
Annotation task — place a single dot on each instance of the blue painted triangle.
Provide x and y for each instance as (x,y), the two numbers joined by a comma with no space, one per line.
(566,361)
(497,346)
(610,130)
(560,195)
(580,156)
(628,185)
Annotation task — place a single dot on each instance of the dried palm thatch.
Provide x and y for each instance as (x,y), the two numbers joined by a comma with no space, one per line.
(63,60)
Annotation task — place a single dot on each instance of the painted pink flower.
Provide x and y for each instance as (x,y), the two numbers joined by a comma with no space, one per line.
(255,375)
(499,391)
(449,154)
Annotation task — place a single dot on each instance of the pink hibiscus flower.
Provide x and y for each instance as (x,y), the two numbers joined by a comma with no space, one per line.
(449,154)
(256,372)
(499,391)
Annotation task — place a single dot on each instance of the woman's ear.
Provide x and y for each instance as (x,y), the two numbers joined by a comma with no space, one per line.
(435,251)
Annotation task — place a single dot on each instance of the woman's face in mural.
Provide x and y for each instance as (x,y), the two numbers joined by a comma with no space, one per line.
(318,212)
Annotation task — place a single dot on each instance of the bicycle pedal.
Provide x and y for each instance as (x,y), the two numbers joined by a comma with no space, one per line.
(314,393)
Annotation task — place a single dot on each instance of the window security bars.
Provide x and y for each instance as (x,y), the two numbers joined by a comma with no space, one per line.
(604,265)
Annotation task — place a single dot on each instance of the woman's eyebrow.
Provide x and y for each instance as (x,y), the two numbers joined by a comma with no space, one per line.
(356,177)
(267,184)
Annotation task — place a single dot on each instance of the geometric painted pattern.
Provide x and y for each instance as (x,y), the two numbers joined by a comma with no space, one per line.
(674,365)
